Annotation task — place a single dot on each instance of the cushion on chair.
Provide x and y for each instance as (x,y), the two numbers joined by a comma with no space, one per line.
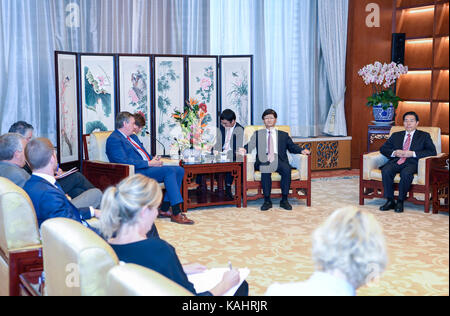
(18,223)
(373,161)
(134,280)
(295,175)
(97,146)
(76,259)
(18,227)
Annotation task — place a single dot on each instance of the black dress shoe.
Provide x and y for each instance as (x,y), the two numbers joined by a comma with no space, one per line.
(285,204)
(267,205)
(228,194)
(399,207)
(389,205)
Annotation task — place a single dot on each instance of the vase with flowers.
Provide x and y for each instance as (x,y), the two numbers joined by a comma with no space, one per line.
(193,121)
(383,100)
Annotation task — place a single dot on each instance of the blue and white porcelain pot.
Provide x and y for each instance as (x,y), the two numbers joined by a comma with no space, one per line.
(383,116)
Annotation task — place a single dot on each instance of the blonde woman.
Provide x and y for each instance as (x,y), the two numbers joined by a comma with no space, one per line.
(128,213)
(348,250)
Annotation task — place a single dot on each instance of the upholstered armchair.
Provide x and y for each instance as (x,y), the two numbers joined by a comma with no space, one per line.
(76,260)
(20,244)
(301,175)
(96,166)
(134,280)
(370,179)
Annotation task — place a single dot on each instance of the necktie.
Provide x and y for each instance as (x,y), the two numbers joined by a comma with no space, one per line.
(227,140)
(270,153)
(405,147)
(138,148)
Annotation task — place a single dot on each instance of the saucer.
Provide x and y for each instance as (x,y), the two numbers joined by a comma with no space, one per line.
(383,123)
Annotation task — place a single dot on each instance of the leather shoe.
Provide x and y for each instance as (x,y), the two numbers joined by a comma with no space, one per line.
(267,205)
(285,204)
(389,205)
(399,207)
(228,193)
(162,214)
(181,219)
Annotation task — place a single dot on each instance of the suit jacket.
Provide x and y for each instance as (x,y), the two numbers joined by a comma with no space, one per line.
(284,144)
(120,150)
(421,144)
(50,202)
(236,142)
(14,173)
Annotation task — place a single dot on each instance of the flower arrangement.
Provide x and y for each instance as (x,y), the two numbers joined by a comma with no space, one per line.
(193,121)
(382,77)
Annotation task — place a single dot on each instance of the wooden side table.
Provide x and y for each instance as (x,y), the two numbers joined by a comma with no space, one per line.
(377,136)
(208,197)
(439,182)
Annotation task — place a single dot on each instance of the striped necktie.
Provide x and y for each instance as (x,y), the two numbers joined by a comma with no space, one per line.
(138,148)
(405,147)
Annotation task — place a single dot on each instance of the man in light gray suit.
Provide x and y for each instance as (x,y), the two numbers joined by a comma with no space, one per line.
(12,160)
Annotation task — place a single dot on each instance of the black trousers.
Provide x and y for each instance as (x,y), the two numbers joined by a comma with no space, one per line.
(284,169)
(75,184)
(389,171)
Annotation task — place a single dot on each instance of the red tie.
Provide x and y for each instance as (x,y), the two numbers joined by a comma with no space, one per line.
(405,147)
(138,148)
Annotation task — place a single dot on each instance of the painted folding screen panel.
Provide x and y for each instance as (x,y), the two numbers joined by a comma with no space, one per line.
(97,93)
(236,74)
(202,86)
(169,96)
(135,91)
(67,107)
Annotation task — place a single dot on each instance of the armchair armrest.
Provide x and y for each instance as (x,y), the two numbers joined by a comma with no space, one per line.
(170,162)
(250,165)
(300,162)
(422,169)
(372,161)
(104,174)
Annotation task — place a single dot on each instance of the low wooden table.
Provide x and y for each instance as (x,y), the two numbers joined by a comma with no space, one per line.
(209,196)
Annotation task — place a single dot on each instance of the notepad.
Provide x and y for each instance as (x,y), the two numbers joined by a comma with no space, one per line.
(208,279)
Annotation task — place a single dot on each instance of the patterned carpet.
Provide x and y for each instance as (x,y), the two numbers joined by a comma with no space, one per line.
(275,245)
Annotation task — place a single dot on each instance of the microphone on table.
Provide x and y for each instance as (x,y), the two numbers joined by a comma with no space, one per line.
(179,149)
(164,147)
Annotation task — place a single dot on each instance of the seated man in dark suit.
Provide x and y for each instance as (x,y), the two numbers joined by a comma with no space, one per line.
(404,149)
(229,138)
(49,200)
(75,185)
(123,146)
(272,146)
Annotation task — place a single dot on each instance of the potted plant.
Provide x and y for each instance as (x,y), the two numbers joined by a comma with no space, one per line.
(383,100)
(193,121)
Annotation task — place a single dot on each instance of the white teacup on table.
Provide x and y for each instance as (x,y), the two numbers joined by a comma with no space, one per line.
(223,156)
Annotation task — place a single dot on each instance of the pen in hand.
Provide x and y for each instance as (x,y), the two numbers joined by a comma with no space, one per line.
(230,266)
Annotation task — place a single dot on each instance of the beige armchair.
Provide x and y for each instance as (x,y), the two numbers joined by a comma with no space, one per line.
(370,180)
(134,280)
(76,260)
(20,244)
(301,175)
(96,166)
